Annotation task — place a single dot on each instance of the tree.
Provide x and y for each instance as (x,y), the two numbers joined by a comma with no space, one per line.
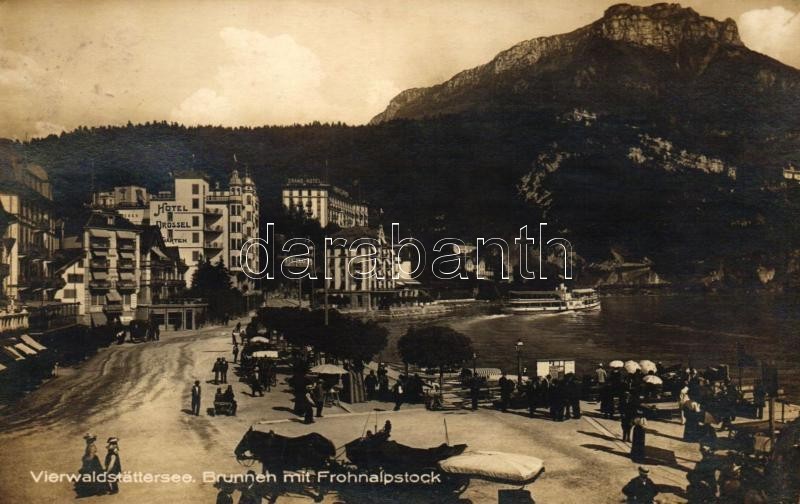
(435,346)
(212,282)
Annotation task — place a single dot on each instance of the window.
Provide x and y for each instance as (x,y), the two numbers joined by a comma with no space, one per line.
(249,200)
(169,216)
(195,221)
(195,188)
(126,299)
(233,244)
(169,235)
(70,294)
(74,278)
(195,237)
(195,202)
(98,299)
(195,256)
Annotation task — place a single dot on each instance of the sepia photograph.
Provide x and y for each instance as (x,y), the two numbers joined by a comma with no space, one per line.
(421,251)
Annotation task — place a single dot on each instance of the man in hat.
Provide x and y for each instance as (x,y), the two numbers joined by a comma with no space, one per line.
(196,398)
(641,489)
(601,374)
(113,465)
(223,369)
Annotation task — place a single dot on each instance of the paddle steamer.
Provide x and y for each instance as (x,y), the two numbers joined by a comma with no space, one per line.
(558,300)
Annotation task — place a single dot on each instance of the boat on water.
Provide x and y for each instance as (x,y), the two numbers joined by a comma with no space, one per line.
(555,301)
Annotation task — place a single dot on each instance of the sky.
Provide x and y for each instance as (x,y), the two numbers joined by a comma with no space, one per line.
(64,64)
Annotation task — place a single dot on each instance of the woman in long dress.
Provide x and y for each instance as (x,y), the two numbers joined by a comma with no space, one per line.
(91,467)
(638,441)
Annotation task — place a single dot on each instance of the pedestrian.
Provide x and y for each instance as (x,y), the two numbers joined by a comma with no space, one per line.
(216,369)
(475,391)
(626,422)
(55,369)
(223,364)
(607,401)
(683,398)
(759,399)
(641,489)
(638,442)
(531,394)
(235,352)
(229,397)
(157,332)
(600,374)
(309,407)
(91,466)
(196,398)
(371,385)
(505,391)
(319,397)
(397,390)
(113,465)
(574,396)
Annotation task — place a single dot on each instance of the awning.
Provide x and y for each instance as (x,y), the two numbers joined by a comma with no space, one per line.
(22,347)
(99,275)
(100,252)
(126,235)
(2,368)
(126,276)
(99,319)
(127,254)
(32,343)
(13,353)
(125,319)
(114,297)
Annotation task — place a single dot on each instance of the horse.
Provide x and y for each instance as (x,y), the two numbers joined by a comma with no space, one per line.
(280,453)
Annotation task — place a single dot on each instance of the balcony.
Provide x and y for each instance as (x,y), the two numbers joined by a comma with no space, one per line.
(212,229)
(126,285)
(212,214)
(213,246)
(99,284)
(126,264)
(98,264)
(126,245)
(100,244)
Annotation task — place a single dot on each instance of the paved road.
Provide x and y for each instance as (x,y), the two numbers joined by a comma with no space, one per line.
(140,392)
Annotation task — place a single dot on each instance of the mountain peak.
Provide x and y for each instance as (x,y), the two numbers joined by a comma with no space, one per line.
(663,26)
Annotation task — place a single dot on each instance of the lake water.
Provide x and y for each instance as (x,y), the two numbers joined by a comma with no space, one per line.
(703,329)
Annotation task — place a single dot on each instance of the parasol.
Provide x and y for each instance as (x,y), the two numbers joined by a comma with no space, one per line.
(616,364)
(269,354)
(652,380)
(632,366)
(259,339)
(510,467)
(647,366)
(328,369)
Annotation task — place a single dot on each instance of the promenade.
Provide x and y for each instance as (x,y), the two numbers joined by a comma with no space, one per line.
(140,394)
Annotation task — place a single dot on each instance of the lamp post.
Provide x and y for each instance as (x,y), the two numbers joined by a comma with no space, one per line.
(519,361)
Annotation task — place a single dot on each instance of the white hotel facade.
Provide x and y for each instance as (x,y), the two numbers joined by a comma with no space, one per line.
(202,222)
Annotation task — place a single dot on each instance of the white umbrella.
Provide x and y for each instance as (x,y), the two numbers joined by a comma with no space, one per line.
(616,364)
(632,366)
(259,339)
(647,366)
(328,369)
(652,380)
(512,467)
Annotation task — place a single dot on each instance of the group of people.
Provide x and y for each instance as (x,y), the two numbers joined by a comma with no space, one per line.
(561,397)
(376,386)
(94,477)
(220,370)
(314,401)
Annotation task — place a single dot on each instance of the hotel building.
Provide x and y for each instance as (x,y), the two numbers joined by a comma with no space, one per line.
(324,203)
(202,222)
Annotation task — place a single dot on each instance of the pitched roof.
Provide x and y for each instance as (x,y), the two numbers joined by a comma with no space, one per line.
(110,220)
